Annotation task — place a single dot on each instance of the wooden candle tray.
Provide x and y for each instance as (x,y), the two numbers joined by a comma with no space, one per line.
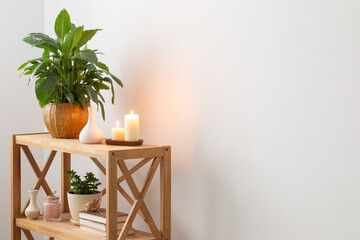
(109,141)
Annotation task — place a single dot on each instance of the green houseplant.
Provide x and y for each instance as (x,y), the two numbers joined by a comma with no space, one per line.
(68,75)
(81,192)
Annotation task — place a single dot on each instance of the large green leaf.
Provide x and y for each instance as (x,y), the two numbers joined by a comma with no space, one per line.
(107,79)
(72,38)
(46,54)
(70,97)
(42,41)
(101,96)
(102,66)
(101,85)
(45,88)
(82,99)
(86,36)
(22,66)
(73,27)
(91,93)
(113,93)
(77,36)
(62,24)
(45,38)
(36,69)
(117,80)
(87,55)
(102,110)
(91,67)
(29,72)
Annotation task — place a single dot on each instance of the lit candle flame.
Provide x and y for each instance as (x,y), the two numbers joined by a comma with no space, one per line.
(117,124)
(132,112)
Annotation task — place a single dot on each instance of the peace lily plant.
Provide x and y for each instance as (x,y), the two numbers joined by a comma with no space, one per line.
(67,71)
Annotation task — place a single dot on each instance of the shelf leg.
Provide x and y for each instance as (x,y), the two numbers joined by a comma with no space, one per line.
(15,188)
(65,184)
(111,197)
(165,195)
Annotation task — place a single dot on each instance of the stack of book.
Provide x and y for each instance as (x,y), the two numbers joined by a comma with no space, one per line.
(95,222)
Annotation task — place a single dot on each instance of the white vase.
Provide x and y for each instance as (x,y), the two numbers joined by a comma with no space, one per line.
(32,211)
(91,133)
(77,203)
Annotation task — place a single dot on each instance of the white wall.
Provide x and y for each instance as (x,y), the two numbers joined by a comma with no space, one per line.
(20,112)
(258,100)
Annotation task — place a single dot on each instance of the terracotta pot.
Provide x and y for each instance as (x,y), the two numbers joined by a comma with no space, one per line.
(65,120)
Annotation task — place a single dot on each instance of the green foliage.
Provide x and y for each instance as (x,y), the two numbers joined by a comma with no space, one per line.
(68,72)
(87,186)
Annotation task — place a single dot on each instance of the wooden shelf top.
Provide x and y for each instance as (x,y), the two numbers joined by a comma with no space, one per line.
(44,140)
(66,230)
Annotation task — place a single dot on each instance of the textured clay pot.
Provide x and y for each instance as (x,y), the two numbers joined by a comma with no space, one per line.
(77,203)
(64,120)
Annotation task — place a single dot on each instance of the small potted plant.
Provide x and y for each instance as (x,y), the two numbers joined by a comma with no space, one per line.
(81,193)
(67,76)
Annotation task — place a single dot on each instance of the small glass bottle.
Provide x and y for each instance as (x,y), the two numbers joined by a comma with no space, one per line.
(52,209)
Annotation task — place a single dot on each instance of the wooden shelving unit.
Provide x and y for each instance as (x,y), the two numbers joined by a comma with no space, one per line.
(114,156)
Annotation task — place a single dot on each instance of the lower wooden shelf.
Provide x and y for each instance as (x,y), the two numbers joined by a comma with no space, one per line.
(65,230)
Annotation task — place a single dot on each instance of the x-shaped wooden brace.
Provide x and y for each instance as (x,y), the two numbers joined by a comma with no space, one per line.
(40,174)
(138,195)
(143,211)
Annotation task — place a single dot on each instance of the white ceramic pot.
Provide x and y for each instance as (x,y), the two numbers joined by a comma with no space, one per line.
(91,133)
(77,203)
(32,211)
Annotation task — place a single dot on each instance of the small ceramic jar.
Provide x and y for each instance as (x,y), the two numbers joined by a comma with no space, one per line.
(52,209)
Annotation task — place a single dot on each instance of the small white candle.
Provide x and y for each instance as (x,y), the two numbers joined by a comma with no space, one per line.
(118,132)
(131,127)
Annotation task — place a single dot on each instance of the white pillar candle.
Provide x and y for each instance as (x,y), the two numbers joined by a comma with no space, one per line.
(131,127)
(118,132)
